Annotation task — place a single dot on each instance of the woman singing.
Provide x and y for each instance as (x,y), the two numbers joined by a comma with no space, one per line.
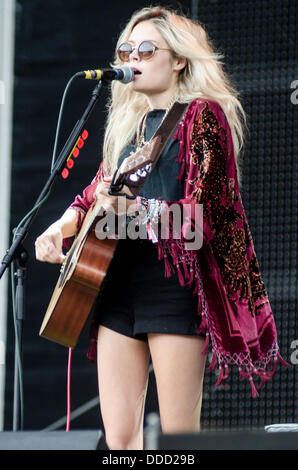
(161,298)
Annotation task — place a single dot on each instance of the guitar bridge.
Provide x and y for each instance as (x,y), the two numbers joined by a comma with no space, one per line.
(66,267)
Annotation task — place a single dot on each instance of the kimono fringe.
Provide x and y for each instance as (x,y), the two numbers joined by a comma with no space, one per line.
(247,372)
(247,368)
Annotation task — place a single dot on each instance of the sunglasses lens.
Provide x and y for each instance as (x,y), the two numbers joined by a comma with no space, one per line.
(124,51)
(146,50)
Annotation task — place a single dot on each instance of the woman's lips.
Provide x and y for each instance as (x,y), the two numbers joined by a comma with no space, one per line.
(136,71)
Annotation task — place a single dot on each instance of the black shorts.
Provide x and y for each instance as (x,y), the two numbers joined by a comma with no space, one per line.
(136,298)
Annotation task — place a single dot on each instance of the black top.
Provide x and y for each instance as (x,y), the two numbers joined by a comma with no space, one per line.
(146,300)
(163,180)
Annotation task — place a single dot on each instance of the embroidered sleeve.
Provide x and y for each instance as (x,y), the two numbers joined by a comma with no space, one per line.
(225,222)
(208,161)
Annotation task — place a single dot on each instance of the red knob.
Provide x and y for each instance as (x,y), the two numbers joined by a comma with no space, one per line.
(70,163)
(65,173)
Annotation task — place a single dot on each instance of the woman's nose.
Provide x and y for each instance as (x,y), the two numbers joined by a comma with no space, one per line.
(134,56)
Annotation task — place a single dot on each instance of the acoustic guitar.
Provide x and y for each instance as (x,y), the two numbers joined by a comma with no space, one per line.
(89,257)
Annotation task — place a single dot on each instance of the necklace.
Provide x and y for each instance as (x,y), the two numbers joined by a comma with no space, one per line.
(141,129)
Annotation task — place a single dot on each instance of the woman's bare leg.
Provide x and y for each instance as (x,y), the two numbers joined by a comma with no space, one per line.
(123,365)
(179,371)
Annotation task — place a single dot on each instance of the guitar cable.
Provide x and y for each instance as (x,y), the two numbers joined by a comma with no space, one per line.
(68,390)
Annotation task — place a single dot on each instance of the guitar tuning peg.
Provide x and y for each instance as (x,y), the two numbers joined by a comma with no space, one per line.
(134,177)
(141,173)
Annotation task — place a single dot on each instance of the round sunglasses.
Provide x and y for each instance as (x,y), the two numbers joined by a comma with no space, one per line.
(146,50)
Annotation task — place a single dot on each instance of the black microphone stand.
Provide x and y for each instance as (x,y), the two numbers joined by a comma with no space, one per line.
(18,255)
(20,271)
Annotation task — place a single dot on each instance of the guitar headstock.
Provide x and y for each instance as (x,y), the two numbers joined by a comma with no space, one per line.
(135,169)
(137,160)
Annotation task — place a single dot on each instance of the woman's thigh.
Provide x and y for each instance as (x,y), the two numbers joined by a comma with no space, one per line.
(179,367)
(123,365)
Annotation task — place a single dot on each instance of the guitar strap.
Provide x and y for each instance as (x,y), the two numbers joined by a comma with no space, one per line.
(166,128)
(152,151)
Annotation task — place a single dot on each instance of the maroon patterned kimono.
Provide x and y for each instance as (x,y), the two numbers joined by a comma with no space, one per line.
(232,300)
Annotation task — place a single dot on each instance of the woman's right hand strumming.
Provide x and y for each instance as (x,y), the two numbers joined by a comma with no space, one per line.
(48,246)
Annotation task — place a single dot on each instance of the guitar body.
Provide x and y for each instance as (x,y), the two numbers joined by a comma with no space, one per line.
(78,285)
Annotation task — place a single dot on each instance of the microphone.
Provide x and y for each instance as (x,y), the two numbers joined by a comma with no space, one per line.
(123,74)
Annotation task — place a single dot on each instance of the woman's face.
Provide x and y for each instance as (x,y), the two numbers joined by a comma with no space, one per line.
(158,75)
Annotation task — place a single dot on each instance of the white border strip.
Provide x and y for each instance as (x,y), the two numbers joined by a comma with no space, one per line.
(7,32)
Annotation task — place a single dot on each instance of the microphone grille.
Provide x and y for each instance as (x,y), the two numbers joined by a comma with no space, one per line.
(128,74)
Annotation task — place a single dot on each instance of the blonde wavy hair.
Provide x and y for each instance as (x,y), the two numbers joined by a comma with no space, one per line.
(203,77)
